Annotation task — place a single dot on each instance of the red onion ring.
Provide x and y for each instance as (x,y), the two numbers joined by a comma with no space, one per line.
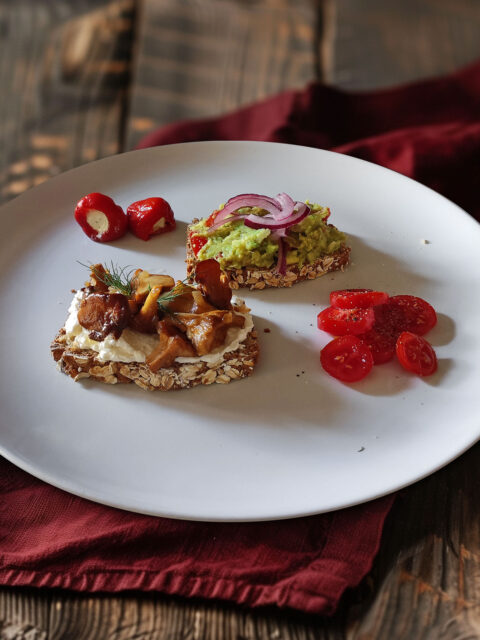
(265,222)
(287,205)
(247,200)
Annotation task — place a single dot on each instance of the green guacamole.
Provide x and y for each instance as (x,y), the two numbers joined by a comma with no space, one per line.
(235,246)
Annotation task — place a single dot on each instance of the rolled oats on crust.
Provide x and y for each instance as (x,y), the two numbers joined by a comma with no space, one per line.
(234,365)
(256,278)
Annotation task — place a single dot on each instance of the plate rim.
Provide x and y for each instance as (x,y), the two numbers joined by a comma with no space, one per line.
(354,159)
(39,473)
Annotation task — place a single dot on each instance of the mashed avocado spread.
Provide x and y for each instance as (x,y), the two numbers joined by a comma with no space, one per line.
(235,246)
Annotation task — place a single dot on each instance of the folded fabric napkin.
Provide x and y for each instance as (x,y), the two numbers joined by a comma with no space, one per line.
(48,538)
(429,131)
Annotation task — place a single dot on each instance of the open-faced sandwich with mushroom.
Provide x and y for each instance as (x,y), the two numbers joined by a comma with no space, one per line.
(147,329)
(268,242)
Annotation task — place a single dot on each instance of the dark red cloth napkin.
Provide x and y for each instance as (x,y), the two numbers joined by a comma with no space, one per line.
(49,538)
(429,131)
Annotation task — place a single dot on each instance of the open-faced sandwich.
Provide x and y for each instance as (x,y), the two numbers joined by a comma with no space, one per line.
(147,329)
(267,242)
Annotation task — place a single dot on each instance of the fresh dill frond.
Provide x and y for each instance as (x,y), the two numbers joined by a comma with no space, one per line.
(120,279)
(114,276)
(178,290)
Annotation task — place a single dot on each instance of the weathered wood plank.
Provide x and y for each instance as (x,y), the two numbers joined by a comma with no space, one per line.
(162,618)
(379,43)
(24,615)
(425,582)
(64,70)
(198,58)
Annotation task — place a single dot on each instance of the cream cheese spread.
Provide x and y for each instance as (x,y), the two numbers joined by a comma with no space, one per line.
(133,346)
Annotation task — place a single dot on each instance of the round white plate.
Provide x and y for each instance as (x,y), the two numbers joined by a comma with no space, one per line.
(288,441)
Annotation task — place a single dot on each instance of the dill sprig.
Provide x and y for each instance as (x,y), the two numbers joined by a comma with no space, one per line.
(178,290)
(114,276)
(121,280)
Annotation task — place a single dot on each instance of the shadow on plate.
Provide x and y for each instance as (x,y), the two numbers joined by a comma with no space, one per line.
(165,245)
(443,332)
(288,387)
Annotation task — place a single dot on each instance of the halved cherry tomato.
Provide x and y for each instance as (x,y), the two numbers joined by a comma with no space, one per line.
(197,242)
(382,345)
(342,322)
(416,354)
(357,298)
(347,358)
(419,315)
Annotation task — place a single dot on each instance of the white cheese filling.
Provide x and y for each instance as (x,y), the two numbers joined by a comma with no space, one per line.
(98,221)
(133,346)
(159,224)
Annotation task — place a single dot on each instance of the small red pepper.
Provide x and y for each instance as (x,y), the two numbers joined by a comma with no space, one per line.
(150,217)
(197,242)
(100,218)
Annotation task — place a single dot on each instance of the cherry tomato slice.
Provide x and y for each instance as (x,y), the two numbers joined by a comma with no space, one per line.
(342,322)
(357,298)
(419,315)
(197,242)
(211,218)
(347,359)
(416,354)
(382,345)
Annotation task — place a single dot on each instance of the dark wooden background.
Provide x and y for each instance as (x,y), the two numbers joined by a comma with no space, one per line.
(83,79)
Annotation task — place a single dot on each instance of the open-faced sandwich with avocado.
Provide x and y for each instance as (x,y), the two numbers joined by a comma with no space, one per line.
(145,328)
(267,242)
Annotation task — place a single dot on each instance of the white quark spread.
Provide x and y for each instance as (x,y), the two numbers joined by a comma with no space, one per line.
(133,346)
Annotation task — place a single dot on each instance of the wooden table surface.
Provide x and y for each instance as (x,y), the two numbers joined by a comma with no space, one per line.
(83,79)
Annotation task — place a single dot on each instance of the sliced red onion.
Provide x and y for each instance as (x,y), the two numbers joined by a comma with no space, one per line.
(279,235)
(287,205)
(276,234)
(248,200)
(266,222)
(279,208)
(282,256)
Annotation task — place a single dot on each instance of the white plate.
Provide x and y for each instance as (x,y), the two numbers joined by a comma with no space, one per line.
(289,441)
